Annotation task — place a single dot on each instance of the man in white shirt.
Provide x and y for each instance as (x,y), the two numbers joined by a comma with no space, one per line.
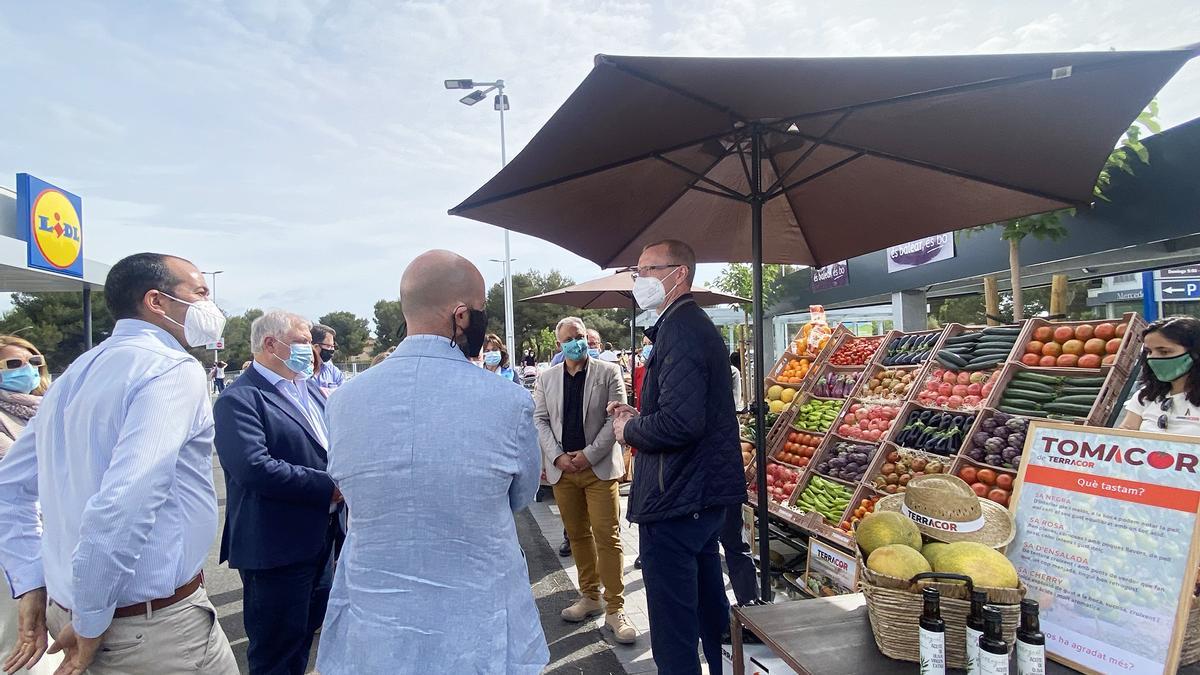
(119,457)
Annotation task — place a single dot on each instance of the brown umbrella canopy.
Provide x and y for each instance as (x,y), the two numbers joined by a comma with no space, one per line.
(616,292)
(857,153)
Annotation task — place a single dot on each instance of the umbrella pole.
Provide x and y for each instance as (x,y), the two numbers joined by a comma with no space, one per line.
(760,432)
(632,345)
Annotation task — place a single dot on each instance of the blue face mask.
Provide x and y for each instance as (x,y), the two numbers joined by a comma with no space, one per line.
(300,360)
(594,353)
(491,358)
(575,349)
(21,380)
(646,351)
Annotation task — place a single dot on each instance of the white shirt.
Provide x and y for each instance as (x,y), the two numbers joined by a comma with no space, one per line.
(120,458)
(297,393)
(220,372)
(1183,418)
(608,355)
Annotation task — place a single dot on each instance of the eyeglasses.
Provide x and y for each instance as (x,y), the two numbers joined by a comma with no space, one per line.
(12,364)
(332,347)
(1165,408)
(645,270)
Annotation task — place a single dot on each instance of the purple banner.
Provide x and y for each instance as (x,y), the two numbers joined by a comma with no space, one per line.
(830,276)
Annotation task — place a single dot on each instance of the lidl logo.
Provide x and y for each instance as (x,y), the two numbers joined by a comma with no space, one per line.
(54,225)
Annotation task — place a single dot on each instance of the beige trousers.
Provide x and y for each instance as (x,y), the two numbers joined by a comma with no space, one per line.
(589,508)
(183,638)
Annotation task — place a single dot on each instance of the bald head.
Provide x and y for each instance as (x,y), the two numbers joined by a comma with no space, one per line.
(434,285)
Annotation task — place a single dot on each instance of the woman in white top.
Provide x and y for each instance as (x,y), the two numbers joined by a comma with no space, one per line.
(1169,398)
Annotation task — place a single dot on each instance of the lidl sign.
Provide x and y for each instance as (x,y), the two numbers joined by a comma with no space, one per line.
(51,220)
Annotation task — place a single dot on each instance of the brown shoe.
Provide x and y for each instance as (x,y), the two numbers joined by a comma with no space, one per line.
(583,609)
(623,631)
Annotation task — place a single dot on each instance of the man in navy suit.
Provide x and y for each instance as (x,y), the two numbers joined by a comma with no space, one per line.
(281,514)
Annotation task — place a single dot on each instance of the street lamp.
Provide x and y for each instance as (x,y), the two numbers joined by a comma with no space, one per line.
(213,296)
(500,104)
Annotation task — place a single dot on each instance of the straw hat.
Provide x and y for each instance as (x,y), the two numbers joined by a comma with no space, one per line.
(945,508)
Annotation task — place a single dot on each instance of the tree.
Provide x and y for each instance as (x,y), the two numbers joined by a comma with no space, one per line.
(1049,225)
(352,331)
(389,323)
(738,279)
(53,322)
(531,318)
(237,340)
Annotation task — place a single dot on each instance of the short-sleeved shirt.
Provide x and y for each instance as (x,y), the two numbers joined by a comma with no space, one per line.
(1183,418)
(573,438)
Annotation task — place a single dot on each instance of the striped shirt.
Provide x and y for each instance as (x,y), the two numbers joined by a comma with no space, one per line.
(120,458)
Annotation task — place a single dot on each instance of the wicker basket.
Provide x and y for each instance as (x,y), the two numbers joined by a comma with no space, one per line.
(1190,653)
(895,605)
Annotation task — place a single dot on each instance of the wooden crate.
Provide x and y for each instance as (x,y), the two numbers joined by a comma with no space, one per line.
(803,485)
(964,462)
(875,371)
(896,334)
(956,329)
(880,458)
(1109,391)
(812,383)
(826,451)
(805,398)
(1126,354)
(910,407)
(847,337)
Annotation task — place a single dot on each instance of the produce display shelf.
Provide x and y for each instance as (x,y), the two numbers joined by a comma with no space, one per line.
(1115,378)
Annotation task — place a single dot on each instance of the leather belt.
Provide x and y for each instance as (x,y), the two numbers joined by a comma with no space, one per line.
(151,606)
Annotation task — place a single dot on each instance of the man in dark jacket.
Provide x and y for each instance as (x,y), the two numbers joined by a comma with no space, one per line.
(689,468)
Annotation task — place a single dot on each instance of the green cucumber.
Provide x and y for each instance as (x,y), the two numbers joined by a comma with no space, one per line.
(1015,402)
(1021,411)
(1068,408)
(1084,381)
(1029,395)
(1002,330)
(1065,418)
(1026,376)
(993,352)
(969,338)
(1080,391)
(1081,399)
(1031,386)
(951,357)
(986,360)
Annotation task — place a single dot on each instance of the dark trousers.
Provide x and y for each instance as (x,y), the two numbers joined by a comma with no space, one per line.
(685,594)
(742,574)
(282,608)
(219,384)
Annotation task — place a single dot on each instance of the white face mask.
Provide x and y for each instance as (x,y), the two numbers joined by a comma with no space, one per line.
(649,292)
(203,323)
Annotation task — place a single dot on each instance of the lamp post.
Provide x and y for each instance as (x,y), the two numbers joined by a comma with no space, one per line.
(479,92)
(213,296)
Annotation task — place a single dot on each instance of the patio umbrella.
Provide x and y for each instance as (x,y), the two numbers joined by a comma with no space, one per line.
(812,161)
(615,291)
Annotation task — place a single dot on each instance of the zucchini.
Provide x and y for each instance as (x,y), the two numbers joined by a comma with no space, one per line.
(1031,386)
(961,349)
(1002,330)
(1026,376)
(1021,411)
(1080,391)
(1014,402)
(951,357)
(1065,418)
(991,362)
(988,359)
(1004,351)
(1081,399)
(1068,408)
(1038,396)
(969,338)
(1084,381)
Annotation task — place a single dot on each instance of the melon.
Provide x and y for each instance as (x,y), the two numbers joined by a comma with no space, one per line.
(887,527)
(898,560)
(986,566)
(932,550)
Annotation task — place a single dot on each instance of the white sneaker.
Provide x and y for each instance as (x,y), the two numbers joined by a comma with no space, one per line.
(583,609)
(623,631)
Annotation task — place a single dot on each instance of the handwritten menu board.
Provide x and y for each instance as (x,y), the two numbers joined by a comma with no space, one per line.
(1107,543)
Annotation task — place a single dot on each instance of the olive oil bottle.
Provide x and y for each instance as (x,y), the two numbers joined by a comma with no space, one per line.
(993,652)
(1031,644)
(933,634)
(974,630)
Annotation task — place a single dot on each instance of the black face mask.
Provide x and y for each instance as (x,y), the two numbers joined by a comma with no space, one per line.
(471,340)
(326,355)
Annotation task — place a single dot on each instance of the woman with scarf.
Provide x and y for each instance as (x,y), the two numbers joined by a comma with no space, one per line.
(24,377)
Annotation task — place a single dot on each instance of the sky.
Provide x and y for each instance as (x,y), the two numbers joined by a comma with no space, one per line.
(308,149)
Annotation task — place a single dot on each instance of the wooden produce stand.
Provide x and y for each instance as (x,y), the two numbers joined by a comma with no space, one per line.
(831,636)
(956,460)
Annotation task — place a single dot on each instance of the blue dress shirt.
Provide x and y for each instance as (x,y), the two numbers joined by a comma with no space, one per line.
(120,458)
(329,377)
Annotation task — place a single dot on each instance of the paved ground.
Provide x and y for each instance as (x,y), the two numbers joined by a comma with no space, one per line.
(574,648)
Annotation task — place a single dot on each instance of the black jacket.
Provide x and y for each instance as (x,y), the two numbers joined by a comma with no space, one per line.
(688,448)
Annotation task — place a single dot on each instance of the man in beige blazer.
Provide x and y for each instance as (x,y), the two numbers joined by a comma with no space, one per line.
(583,462)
